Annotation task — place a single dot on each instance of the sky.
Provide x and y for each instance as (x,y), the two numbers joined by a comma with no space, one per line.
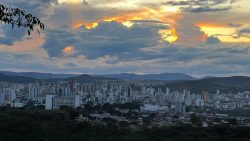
(195,37)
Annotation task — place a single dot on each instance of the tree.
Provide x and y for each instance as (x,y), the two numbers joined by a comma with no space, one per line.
(124,124)
(19,18)
(196,120)
(232,121)
(146,121)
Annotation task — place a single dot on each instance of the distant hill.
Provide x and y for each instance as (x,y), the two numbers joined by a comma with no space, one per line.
(23,79)
(207,77)
(38,75)
(123,76)
(16,79)
(173,81)
(160,77)
(224,84)
(87,78)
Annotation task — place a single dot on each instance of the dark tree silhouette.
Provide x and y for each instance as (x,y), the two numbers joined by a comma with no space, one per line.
(19,18)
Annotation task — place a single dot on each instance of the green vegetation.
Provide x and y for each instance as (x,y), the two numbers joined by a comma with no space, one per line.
(196,120)
(40,125)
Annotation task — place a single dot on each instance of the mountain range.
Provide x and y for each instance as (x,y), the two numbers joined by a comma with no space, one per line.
(224,84)
(122,76)
(26,79)
(173,81)
(38,75)
(16,79)
(159,77)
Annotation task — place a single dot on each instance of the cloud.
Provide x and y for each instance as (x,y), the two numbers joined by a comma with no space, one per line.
(112,47)
(245,32)
(197,6)
(212,40)
(28,44)
(68,50)
(71,64)
(10,35)
(107,39)
(208,9)
(224,61)
(41,9)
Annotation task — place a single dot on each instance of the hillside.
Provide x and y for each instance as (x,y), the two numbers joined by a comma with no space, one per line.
(159,77)
(16,79)
(88,79)
(224,84)
(38,75)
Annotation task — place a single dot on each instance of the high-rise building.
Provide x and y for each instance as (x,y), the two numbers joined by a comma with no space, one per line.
(63,101)
(188,99)
(167,91)
(77,100)
(55,102)
(180,108)
(205,96)
(49,102)
(2,97)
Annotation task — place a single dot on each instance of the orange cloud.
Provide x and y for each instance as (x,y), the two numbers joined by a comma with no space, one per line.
(28,45)
(128,19)
(204,38)
(70,1)
(68,50)
(88,25)
(159,14)
(170,36)
(222,31)
(211,25)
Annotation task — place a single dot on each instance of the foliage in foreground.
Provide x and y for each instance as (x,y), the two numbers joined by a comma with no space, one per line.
(19,18)
(41,125)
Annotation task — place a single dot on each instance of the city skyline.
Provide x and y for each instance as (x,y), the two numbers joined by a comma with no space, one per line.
(194,37)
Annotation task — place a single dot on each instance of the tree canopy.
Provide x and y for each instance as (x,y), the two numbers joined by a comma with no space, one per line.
(31,124)
(19,18)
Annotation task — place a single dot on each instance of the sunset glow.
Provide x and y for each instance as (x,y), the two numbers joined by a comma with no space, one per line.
(169,35)
(70,1)
(223,32)
(163,14)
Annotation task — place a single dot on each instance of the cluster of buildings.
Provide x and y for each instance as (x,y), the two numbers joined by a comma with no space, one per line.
(164,103)
(55,94)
